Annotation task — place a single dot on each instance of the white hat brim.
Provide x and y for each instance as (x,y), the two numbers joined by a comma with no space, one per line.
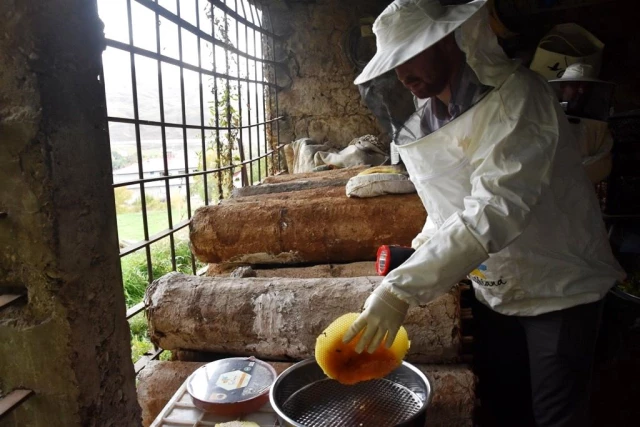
(425,34)
(580,79)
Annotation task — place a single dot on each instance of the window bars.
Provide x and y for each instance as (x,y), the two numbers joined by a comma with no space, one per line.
(193,112)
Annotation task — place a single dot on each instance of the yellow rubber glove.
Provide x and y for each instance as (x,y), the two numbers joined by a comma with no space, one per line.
(382,317)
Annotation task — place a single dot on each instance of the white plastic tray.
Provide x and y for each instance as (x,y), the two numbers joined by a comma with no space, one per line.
(181,412)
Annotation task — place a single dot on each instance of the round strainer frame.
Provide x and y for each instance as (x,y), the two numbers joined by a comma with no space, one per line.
(303,396)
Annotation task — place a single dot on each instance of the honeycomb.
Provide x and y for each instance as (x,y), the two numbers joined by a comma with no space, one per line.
(341,362)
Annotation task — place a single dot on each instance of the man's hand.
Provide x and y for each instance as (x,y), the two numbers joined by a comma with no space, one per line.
(382,316)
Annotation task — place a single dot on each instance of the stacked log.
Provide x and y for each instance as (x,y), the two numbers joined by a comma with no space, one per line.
(280,318)
(452,404)
(325,244)
(329,175)
(319,225)
(354,269)
(299,182)
(157,383)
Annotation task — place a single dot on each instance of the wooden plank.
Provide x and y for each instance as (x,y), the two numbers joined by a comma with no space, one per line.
(13,400)
(8,299)
(135,310)
(144,360)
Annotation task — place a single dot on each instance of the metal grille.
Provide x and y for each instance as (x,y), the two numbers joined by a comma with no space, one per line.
(193,112)
(328,403)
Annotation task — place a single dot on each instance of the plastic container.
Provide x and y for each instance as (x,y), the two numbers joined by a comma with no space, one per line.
(231,387)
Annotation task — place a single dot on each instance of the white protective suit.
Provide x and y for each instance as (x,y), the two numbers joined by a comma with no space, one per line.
(508,200)
(595,142)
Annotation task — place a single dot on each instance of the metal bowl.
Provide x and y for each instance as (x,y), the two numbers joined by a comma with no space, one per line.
(303,396)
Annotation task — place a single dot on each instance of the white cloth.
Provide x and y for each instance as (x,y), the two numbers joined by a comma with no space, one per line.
(379,184)
(304,151)
(359,152)
(407,27)
(506,190)
(307,155)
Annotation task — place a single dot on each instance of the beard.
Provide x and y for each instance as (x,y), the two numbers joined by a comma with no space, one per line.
(423,89)
(430,75)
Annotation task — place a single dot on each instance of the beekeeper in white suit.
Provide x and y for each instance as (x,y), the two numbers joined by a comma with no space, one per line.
(509,206)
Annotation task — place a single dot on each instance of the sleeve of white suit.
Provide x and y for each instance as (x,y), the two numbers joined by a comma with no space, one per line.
(512,167)
(428,230)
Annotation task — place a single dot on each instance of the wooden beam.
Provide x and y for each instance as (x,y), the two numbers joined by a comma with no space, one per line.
(8,299)
(135,310)
(13,400)
(144,360)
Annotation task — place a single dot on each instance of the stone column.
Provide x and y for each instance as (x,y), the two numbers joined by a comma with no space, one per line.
(68,339)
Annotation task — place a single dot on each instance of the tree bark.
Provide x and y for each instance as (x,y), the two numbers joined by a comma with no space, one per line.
(299,181)
(329,175)
(280,318)
(354,269)
(315,226)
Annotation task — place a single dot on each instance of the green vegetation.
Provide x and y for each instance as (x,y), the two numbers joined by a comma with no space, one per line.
(135,275)
(140,343)
(134,267)
(119,161)
(135,279)
(130,223)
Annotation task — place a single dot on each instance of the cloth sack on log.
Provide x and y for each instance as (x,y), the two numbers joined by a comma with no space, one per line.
(366,150)
(379,184)
(280,318)
(304,151)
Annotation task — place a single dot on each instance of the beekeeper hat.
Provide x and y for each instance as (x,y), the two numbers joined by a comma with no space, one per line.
(407,27)
(579,72)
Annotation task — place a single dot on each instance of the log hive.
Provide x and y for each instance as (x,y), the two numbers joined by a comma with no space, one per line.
(330,175)
(157,383)
(297,182)
(280,318)
(320,225)
(452,405)
(354,269)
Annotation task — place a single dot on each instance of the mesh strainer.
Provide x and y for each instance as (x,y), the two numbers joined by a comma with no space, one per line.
(303,396)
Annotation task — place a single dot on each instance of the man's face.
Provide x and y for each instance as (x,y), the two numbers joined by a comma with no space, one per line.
(571,90)
(426,74)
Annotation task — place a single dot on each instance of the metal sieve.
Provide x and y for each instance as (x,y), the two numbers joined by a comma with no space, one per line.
(303,396)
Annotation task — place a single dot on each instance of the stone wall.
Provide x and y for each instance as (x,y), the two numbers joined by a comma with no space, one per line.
(69,339)
(320,101)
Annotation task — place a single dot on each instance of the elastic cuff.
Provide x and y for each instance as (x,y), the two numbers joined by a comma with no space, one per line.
(385,293)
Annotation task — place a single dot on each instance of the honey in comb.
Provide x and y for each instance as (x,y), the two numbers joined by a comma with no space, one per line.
(341,362)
